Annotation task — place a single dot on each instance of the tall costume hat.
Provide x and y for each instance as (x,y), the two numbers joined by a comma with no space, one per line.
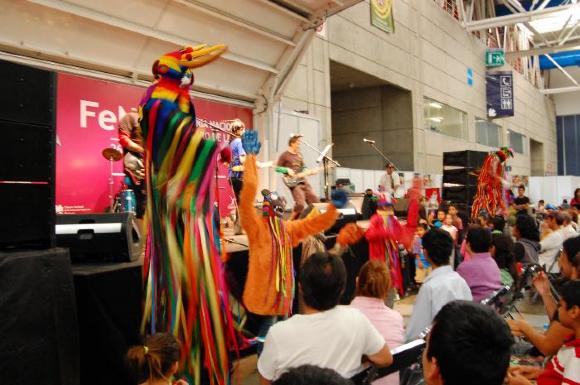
(185,289)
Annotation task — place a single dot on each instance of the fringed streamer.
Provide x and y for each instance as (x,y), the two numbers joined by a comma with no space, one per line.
(489,187)
(282,263)
(186,293)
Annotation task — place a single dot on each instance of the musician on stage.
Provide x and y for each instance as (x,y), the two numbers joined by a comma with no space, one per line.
(237,166)
(390,181)
(291,164)
(131,139)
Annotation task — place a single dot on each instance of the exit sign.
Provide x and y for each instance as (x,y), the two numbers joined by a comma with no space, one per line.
(494,58)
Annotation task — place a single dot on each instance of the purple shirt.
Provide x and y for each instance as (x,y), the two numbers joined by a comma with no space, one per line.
(481,274)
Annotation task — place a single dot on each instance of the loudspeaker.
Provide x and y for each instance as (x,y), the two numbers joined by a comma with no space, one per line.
(39,341)
(473,159)
(109,299)
(27,161)
(99,237)
(463,176)
(459,194)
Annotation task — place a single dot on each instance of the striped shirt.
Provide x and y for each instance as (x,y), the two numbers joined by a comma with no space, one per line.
(564,367)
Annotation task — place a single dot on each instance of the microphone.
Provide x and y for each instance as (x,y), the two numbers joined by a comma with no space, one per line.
(368,141)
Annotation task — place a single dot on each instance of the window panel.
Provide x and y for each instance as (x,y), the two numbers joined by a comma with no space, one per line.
(487,133)
(517,142)
(444,119)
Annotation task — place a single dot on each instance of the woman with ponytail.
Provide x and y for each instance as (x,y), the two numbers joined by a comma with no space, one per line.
(156,362)
(372,287)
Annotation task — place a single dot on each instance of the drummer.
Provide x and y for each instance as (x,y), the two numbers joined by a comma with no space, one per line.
(131,140)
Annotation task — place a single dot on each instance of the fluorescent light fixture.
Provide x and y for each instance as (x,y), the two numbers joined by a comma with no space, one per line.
(435,105)
(556,21)
(437,119)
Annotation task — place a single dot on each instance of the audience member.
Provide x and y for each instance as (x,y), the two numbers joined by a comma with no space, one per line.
(496,224)
(457,221)
(372,287)
(521,202)
(442,286)
(575,202)
(527,246)
(502,251)
(448,226)
(540,209)
(551,244)
(326,335)
(468,344)
(480,272)
(564,367)
(564,205)
(551,341)
(568,230)
(156,362)
(422,265)
(311,375)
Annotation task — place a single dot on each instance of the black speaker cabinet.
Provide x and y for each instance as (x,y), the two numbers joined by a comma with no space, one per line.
(473,159)
(459,194)
(39,336)
(99,237)
(27,161)
(463,176)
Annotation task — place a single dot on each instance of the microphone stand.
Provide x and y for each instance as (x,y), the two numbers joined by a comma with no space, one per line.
(372,144)
(325,162)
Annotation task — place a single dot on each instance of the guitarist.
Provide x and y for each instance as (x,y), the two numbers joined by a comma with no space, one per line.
(291,163)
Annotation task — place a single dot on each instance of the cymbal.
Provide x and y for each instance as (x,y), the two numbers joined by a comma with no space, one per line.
(112,154)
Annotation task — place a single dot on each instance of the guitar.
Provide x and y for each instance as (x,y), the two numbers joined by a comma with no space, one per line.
(296,179)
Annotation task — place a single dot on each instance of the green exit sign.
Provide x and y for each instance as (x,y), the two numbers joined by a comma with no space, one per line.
(494,58)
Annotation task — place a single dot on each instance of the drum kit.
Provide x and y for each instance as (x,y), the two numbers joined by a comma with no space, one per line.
(124,201)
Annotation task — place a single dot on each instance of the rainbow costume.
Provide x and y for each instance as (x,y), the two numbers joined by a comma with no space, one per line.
(489,195)
(185,290)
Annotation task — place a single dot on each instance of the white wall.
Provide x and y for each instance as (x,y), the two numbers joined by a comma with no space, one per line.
(566,103)
(552,189)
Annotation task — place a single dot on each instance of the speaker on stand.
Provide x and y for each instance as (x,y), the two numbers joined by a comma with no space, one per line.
(460,170)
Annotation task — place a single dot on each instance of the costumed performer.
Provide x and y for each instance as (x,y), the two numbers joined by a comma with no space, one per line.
(385,232)
(269,288)
(186,293)
(490,183)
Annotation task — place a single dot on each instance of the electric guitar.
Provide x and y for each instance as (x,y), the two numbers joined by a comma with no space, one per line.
(296,179)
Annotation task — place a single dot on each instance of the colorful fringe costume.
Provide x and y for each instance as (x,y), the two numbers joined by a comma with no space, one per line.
(385,232)
(185,289)
(489,195)
(269,288)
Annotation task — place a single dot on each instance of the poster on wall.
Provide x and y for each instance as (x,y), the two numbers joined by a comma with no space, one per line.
(382,15)
(88,111)
(500,94)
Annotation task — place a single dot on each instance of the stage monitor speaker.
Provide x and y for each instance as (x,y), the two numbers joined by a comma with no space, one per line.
(109,306)
(39,341)
(347,214)
(99,237)
(459,194)
(473,159)
(463,176)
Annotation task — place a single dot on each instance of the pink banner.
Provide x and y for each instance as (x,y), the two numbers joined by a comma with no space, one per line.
(88,111)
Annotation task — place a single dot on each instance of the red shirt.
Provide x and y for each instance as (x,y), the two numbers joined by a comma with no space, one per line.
(564,367)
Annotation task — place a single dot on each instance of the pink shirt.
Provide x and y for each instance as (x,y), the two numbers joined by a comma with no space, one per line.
(388,322)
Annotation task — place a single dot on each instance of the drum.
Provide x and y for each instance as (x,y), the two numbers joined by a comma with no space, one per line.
(128,201)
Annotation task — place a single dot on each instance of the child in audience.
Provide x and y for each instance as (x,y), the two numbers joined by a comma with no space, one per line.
(422,266)
(156,362)
(311,375)
(564,367)
(438,222)
(372,287)
(448,226)
(502,251)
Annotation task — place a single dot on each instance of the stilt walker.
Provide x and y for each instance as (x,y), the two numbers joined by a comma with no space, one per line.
(490,183)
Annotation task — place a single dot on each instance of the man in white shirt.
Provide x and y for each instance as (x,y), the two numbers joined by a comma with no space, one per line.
(326,335)
(552,243)
(443,285)
(390,181)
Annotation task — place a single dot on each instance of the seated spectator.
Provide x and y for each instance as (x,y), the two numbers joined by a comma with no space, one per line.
(575,202)
(564,367)
(565,205)
(326,335)
(157,361)
(311,375)
(480,271)
(568,230)
(551,341)
(448,226)
(468,344)
(527,246)
(496,224)
(540,209)
(551,244)
(372,287)
(443,285)
(502,251)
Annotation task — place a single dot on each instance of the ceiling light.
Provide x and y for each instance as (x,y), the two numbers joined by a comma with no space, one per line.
(437,119)
(435,105)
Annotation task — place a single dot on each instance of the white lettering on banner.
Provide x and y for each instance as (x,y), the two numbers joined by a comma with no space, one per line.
(107,120)
(85,113)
